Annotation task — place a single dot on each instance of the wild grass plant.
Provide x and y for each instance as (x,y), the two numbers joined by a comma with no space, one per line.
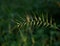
(29,23)
(29,30)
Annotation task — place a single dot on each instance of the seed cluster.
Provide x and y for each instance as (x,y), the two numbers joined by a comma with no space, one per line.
(37,21)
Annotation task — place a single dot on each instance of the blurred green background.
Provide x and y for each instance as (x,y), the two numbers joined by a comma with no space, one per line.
(13,9)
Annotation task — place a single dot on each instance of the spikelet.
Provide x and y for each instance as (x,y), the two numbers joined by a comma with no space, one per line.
(42,20)
(37,21)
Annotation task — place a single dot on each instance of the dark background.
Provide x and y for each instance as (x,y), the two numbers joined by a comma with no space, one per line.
(52,7)
(10,9)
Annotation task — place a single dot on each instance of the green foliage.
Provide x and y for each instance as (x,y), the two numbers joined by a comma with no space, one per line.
(29,23)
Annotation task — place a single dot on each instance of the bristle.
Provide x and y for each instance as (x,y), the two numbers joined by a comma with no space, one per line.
(35,18)
(47,18)
(51,21)
(28,18)
(34,22)
(43,17)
